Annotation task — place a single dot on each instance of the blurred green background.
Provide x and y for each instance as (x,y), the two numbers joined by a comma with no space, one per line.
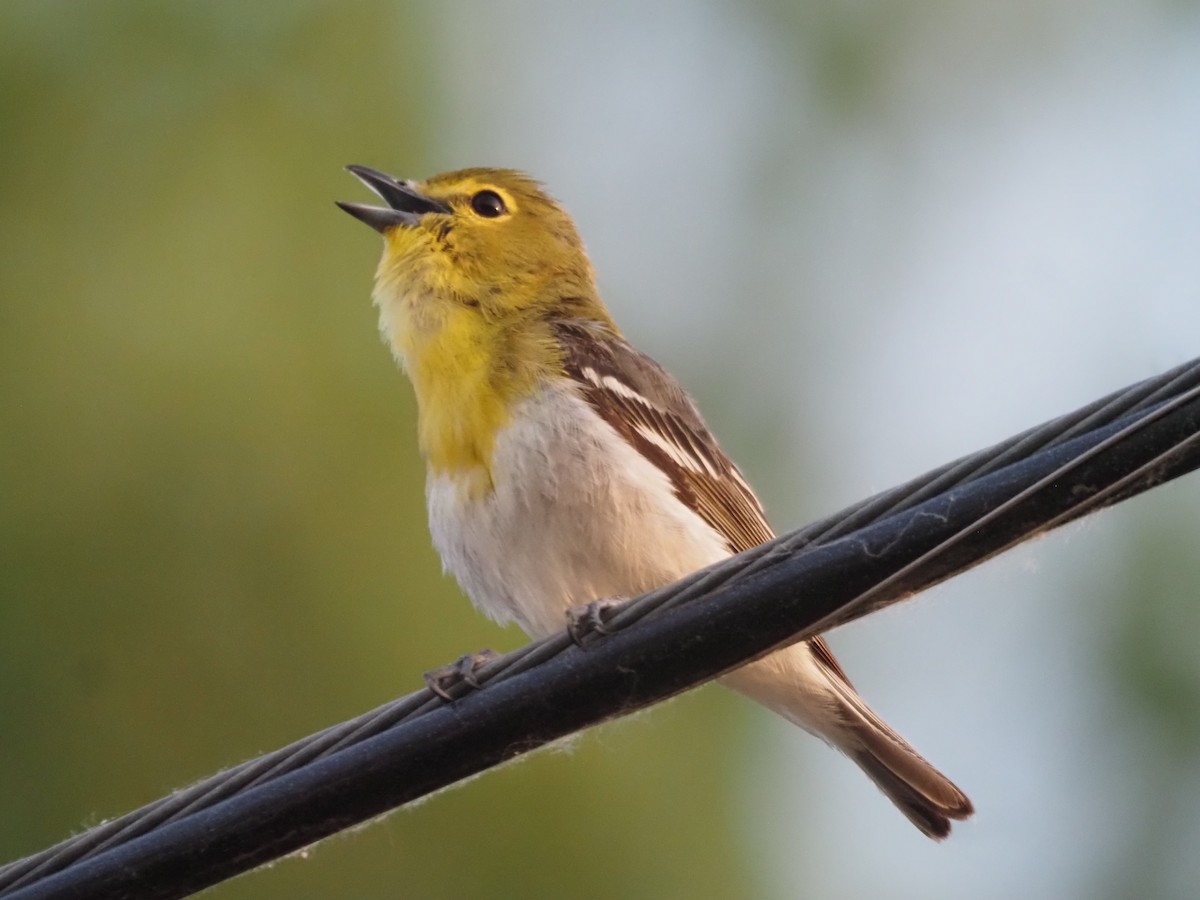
(869,236)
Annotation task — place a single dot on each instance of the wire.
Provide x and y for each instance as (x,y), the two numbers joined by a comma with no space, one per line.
(839,568)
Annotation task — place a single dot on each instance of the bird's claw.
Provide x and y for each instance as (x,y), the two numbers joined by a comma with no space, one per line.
(444,679)
(589,619)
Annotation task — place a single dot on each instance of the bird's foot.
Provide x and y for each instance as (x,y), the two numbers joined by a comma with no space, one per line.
(589,618)
(462,671)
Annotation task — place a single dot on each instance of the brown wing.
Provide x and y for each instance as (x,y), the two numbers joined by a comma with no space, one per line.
(647,407)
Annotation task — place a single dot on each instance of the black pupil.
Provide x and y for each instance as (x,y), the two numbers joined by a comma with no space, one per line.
(488,204)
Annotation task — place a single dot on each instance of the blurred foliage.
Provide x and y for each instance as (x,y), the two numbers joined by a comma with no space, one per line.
(212,534)
(1156,678)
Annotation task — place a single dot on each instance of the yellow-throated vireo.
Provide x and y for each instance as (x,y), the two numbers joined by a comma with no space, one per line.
(563,464)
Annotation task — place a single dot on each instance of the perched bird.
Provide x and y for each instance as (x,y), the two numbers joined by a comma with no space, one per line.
(566,466)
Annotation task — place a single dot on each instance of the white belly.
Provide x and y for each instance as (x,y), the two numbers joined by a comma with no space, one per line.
(576,515)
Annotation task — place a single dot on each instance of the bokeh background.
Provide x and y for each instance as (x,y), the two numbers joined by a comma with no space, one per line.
(869,236)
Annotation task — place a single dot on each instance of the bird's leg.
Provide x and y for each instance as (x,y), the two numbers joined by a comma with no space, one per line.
(589,618)
(445,678)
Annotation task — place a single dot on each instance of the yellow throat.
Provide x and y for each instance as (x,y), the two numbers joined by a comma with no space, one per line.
(477,267)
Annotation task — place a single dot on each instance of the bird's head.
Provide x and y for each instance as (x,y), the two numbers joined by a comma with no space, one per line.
(490,240)
(478,268)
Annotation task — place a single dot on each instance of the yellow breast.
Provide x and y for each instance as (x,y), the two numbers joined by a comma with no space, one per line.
(468,371)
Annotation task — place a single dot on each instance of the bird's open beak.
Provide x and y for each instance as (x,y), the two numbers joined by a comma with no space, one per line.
(406,206)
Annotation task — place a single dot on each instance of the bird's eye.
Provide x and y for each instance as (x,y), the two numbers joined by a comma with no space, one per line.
(488,204)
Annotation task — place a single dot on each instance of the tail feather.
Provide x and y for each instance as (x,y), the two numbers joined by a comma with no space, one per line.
(799,686)
(928,798)
(933,820)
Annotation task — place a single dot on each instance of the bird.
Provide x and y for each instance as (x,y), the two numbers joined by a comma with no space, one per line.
(565,466)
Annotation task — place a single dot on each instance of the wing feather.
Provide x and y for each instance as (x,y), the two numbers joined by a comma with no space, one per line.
(647,407)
